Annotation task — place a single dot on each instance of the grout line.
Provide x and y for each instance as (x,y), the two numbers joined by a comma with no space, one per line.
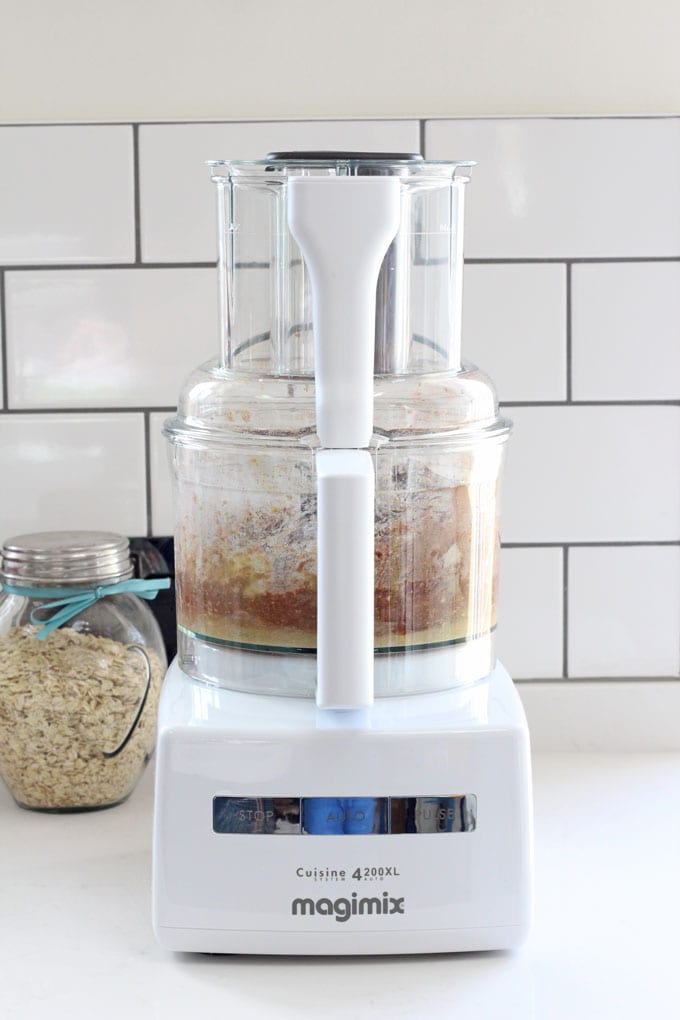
(564,261)
(597,680)
(147,470)
(136,208)
(565,612)
(3,343)
(8,412)
(589,403)
(257,120)
(421,137)
(547,116)
(361,118)
(61,266)
(169,408)
(603,544)
(509,260)
(568,351)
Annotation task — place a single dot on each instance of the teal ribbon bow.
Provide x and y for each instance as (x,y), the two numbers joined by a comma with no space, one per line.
(62,604)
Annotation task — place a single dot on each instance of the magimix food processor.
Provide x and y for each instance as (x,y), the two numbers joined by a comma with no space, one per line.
(336,476)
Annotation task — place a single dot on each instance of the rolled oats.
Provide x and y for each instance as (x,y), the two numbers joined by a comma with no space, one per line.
(65,703)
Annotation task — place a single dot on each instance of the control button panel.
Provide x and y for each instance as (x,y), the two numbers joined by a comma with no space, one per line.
(344,816)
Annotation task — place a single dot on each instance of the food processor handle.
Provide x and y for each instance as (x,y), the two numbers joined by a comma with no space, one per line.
(344,226)
(345,578)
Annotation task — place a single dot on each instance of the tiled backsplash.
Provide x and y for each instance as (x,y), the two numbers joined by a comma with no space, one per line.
(572,304)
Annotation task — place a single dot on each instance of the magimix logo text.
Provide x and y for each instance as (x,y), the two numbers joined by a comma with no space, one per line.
(342,909)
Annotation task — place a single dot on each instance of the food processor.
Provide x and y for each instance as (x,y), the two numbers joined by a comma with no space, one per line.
(336,479)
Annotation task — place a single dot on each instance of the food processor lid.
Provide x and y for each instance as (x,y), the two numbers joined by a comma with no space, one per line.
(338,155)
(219,406)
(266,379)
(343,162)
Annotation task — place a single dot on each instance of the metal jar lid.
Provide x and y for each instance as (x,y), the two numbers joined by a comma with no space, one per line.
(65,557)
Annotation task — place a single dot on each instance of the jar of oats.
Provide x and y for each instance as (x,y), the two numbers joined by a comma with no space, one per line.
(81,666)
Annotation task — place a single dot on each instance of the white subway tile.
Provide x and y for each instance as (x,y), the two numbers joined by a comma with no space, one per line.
(626,331)
(556,187)
(530,636)
(107,337)
(592,474)
(622,715)
(177,200)
(72,471)
(2,343)
(624,608)
(66,194)
(162,513)
(515,328)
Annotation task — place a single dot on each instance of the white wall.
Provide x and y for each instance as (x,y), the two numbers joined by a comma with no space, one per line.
(194,59)
(571,304)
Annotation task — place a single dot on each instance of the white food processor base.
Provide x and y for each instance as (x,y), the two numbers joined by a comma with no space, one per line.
(281,828)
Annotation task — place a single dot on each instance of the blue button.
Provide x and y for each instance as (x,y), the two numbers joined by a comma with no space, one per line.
(344,816)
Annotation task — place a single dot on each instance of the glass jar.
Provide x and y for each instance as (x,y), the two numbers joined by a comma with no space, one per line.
(81,666)
(246,520)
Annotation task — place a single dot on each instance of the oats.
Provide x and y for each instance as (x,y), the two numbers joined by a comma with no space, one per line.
(64,702)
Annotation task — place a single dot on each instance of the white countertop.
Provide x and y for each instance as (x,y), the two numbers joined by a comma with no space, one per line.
(76,939)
